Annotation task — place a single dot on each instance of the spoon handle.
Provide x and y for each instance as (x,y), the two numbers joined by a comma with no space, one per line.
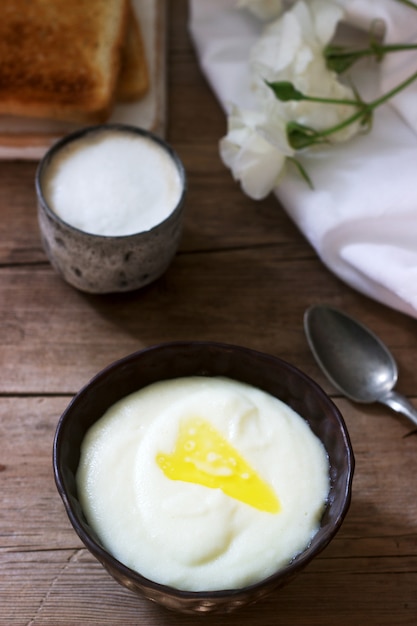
(400,404)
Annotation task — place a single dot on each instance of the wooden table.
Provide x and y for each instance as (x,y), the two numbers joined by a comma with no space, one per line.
(243,275)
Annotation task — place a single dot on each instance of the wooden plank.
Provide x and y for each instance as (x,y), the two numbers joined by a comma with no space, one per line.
(54,338)
(213,221)
(369,569)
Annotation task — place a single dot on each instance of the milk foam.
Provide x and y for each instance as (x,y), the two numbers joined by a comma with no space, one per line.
(113,184)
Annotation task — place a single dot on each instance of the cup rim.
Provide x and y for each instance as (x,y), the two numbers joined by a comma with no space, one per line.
(97,129)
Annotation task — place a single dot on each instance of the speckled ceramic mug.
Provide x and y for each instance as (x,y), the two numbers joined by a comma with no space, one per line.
(98,263)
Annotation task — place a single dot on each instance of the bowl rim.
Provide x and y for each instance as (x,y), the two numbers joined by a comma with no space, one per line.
(294,566)
(97,129)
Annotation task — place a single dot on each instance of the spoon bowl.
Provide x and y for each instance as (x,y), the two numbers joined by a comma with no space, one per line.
(354,359)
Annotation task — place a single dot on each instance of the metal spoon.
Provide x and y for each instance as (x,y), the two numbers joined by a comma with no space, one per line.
(354,359)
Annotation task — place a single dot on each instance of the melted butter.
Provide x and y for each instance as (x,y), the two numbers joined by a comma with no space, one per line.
(204,457)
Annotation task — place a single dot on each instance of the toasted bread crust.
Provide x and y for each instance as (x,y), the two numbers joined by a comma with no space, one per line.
(60,59)
(133,82)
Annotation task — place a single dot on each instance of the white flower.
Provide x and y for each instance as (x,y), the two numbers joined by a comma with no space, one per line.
(263,9)
(255,149)
(291,49)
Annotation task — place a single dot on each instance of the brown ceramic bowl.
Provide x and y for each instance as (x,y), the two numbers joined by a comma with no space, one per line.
(207,359)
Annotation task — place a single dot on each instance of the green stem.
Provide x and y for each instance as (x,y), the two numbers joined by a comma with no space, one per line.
(374,49)
(332,101)
(285,91)
(393,92)
(340,59)
(367,108)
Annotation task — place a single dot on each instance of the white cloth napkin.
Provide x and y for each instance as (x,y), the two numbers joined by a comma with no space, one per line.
(361,217)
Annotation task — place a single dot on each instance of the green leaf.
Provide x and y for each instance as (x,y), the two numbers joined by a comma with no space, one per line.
(302,171)
(367,119)
(285,91)
(300,136)
(338,59)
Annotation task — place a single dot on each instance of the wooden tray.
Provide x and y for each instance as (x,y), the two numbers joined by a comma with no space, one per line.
(30,138)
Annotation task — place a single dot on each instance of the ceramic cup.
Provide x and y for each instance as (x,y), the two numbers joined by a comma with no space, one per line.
(114,260)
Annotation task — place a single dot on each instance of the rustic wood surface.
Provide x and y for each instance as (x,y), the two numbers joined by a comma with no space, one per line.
(244,275)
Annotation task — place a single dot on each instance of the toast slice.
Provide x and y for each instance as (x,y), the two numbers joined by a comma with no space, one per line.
(133,80)
(60,59)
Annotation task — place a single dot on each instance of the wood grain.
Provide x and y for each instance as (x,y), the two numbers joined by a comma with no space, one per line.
(245,275)
(47,577)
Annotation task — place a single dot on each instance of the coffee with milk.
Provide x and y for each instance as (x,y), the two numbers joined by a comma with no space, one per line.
(113,183)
